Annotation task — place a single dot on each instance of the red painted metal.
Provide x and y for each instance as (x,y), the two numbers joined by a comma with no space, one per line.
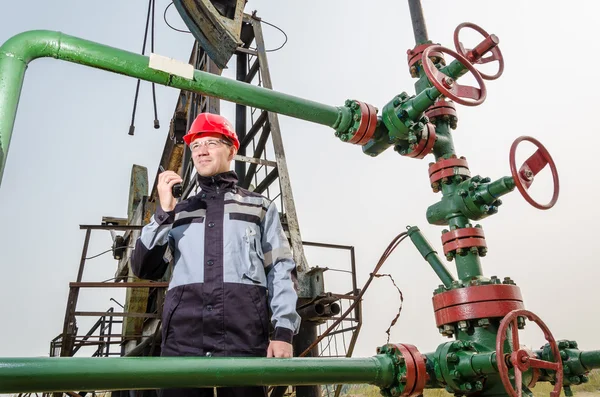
(414,55)
(474,55)
(448,163)
(448,168)
(463,238)
(465,243)
(462,233)
(411,369)
(441,107)
(520,358)
(364,121)
(371,126)
(530,168)
(463,94)
(474,311)
(425,144)
(482,301)
(478,293)
(422,375)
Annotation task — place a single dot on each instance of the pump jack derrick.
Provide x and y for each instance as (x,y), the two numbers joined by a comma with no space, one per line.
(482,314)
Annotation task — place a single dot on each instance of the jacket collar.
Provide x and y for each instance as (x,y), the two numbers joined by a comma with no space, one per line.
(218,183)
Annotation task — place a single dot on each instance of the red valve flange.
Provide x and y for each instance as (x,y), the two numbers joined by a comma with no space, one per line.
(425,144)
(463,94)
(521,359)
(530,168)
(445,169)
(475,55)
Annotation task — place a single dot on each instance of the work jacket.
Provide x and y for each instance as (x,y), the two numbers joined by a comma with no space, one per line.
(232,262)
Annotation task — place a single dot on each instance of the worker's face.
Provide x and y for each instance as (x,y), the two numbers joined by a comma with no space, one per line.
(210,155)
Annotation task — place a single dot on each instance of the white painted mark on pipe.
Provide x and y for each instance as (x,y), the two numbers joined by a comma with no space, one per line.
(171,66)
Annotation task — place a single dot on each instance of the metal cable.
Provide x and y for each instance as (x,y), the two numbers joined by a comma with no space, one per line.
(137,88)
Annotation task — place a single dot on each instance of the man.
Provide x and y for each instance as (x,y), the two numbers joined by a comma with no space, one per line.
(231,262)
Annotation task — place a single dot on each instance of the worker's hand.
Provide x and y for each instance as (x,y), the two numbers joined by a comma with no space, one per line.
(279,349)
(166,180)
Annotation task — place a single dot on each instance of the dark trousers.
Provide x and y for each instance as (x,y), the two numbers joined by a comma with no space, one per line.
(251,391)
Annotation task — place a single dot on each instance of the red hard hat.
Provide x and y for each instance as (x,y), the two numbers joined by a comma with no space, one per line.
(210,123)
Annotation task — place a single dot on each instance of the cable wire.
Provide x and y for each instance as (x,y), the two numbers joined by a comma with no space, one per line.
(167,22)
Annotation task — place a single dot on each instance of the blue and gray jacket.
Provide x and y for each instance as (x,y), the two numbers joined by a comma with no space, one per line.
(232,262)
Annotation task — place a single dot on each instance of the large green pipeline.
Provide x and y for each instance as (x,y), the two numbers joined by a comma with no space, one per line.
(21,49)
(19,375)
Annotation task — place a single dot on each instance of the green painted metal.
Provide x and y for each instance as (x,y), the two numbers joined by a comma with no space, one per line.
(430,255)
(21,49)
(67,374)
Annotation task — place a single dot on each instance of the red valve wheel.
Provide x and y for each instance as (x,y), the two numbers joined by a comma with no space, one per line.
(463,94)
(521,358)
(530,168)
(477,58)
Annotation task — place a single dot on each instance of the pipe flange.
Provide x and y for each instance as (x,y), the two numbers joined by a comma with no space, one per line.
(425,145)
(447,171)
(461,241)
(414,58)
(443,110)
(476,302)
(363,124)
(411,375)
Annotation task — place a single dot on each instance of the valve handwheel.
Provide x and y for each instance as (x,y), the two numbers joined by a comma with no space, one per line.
(521,358)
(463,94)
(474,56)
(530,168)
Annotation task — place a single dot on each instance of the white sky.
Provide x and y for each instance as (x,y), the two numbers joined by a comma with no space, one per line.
(70,156)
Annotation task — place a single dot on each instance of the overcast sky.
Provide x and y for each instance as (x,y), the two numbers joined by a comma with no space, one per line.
(70,156)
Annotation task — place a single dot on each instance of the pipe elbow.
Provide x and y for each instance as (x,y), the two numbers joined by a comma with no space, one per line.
(33,44)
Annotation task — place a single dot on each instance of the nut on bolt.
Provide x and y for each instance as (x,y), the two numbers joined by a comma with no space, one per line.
(463,325)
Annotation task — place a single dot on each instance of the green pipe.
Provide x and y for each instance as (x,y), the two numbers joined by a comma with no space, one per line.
(21,49)
(590,359)
(430,256)
(18,375)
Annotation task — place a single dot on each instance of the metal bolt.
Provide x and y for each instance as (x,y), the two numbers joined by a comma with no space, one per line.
(449,256)
(528,174)
(355,105)
(479,385)
(478,226)
(344,138)
(572,344)
(498,203)
(348,102)
(462,192)
(456,374)
(520,322)
(356,117)
(575,380)
(486,180)
(474,250)
(484,208)
(468,225)
(468,386)
(563,344)
(445,231)
(584,379)
(463,326)
(484,322)
(452,358)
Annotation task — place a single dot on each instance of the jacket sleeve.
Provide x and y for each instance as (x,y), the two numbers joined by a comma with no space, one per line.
(279,264)
(147,260)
